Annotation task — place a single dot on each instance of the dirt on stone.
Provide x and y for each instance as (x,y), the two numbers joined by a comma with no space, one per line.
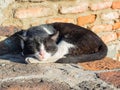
(111,77)
(16,70)
(41,85)
(104,64)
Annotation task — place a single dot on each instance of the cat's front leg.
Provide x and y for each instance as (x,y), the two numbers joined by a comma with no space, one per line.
(33,60)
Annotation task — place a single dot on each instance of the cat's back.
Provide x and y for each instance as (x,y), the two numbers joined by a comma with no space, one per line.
(75,32)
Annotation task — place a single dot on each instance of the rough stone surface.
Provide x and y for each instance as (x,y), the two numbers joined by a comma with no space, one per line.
(111,77)
(90,85)
(5,3)
(104,64)
(37,84)
(67,76)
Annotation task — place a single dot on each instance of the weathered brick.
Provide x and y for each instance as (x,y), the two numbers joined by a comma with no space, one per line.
(116,5)
(112,77)
(108,37)
(2,38)
(33,12)
(118,34)
(1,17)
(101,28)
(110,16)
(118,56)
(112,50)
(31,0)
(8,30)
(82,20)
(5,3)
(103,64)
(116,26)
(81,7)
(37,86)
(101,5)
(67,20)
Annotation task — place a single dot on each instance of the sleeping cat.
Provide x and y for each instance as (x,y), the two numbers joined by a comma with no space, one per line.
(61,43)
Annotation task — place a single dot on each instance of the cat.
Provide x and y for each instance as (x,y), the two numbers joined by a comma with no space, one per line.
(61,43)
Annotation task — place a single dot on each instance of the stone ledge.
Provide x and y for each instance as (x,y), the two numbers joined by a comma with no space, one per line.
(111,77)
(71,76)
(104,64)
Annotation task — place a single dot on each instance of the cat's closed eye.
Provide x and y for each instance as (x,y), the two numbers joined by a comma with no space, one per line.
(51,48)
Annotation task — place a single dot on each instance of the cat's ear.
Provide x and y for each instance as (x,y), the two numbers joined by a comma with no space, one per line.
(22,35)
(55,36)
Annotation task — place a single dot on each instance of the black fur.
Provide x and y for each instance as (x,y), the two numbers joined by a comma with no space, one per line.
(33,39)
(89,45)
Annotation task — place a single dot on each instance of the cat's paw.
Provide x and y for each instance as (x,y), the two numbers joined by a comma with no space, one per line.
(31,60)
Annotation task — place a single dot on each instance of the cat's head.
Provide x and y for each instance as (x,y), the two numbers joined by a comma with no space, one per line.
(38,43)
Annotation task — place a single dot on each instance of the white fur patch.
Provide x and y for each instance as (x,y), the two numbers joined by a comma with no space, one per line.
(63,49)
(47,30)
(45,56)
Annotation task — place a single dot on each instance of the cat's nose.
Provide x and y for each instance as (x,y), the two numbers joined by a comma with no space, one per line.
(42,54)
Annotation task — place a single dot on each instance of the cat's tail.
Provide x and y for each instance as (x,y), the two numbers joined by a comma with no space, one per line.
(87,57)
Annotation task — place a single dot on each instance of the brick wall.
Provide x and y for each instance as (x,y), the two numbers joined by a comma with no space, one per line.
(100,16)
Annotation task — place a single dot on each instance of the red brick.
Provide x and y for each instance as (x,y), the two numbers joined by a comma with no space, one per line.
(31,0)
(116,26)
(82,20)
(109,36)
(118,34)
(110,16)
(8,30)
(118,56)
(116,5)
(67,20)
(81,7)
(112,77)
(101,28)
(101,5)
(103,64)
(33,12)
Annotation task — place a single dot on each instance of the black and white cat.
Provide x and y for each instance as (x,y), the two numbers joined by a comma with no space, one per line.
(62,43)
